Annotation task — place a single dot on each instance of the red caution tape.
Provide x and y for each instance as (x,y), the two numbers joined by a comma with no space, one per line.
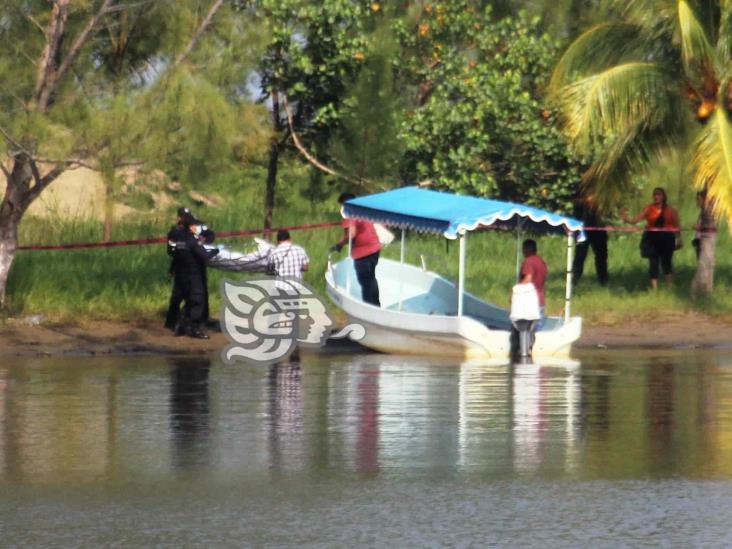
(163,240)
(254,232)
(611,229)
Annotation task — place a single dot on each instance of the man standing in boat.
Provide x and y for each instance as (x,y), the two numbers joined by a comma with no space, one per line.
(534,271)
(365,248)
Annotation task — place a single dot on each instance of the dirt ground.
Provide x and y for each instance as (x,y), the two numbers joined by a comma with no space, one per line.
(19,337)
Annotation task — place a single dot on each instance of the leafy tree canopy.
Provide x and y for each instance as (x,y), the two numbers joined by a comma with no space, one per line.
(484,126)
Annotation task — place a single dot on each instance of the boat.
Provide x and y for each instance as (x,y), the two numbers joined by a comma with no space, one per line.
(424,313)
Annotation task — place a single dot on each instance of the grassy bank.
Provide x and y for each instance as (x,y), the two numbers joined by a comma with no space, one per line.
(132,283)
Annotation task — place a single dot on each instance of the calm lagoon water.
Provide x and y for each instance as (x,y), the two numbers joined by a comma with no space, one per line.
(628,449)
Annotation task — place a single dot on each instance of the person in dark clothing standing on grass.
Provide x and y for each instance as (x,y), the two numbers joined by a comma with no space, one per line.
(189,264)
(177,233)
(207,237)
(661,237)
(586,211)
(365,249)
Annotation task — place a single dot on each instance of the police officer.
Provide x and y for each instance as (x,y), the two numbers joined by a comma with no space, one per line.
(189,271)
(176,234)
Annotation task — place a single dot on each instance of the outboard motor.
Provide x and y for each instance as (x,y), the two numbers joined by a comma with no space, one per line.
(525,313)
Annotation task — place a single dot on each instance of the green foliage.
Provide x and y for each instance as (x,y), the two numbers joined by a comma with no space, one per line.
(312,53)
(367,144)
(654,77)
(484,127)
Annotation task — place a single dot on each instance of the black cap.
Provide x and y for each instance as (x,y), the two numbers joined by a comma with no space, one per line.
(282,235)
(187,218)
(184,211)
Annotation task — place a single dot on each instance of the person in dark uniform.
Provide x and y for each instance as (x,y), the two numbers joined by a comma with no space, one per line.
(189,260)
(586,211)
(177,233)
(207,238)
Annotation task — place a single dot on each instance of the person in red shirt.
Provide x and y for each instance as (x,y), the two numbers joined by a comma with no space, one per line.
(534,271)
(365,248)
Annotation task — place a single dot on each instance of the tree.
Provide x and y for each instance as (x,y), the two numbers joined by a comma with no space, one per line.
(481,125)
(79,96)
(367,143)
(654,77)
(314,50)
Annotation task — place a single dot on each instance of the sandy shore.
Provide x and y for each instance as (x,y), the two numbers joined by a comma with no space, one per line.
(19,338)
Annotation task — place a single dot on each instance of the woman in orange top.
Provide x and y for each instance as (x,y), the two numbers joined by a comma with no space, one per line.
(659,245)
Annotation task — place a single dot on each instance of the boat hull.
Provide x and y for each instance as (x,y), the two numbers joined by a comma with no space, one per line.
(415,318)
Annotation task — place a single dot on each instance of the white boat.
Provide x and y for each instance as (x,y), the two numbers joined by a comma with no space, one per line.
(423,313)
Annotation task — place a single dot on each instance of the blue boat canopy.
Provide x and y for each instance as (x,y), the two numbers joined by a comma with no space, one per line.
(449,214)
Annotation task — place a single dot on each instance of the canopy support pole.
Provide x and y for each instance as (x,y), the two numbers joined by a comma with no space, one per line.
(519,234)
(401,260)
(401,249)
(461,275)
(350,246)
(568,292)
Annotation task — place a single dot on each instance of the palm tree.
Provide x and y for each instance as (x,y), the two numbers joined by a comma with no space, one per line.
(656,75)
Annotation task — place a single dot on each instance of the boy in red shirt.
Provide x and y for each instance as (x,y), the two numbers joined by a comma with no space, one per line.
(365,248)
(534,271)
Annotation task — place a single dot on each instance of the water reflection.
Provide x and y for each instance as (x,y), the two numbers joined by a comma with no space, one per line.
(660,402)
(618,416)
(189,411)
(285,423)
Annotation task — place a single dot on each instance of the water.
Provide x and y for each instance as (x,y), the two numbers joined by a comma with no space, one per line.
(628,449)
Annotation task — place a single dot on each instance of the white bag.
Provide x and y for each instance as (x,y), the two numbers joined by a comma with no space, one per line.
(525,303)
(385,236)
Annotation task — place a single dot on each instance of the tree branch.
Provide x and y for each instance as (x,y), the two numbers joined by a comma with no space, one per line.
(73,53)
(309,157)
(43,182)
(12,141)
(54,33)
(215,7)
(30,19)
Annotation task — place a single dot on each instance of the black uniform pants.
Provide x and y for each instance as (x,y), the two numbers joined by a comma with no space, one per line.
(597,240)
(192,290)
(176,298)
(366,274)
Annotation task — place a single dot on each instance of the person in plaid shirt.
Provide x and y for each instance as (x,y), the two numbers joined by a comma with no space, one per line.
(287,259)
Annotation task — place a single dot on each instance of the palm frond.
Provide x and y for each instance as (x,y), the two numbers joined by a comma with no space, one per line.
(697,54)
(612,102)
(656,17)
(724,42)
(609,178)
(597,48)
(713,163)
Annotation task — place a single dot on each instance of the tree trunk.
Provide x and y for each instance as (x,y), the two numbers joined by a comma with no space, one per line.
(12,207)
(274,156)
(269,199)
(8,245)
(703,282)
(18,196)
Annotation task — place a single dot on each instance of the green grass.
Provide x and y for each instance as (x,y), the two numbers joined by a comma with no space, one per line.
(132,284)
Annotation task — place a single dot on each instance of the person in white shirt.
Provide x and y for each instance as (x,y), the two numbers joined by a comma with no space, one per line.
(287,260)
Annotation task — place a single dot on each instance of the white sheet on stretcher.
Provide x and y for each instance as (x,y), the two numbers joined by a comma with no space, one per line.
(232,260)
